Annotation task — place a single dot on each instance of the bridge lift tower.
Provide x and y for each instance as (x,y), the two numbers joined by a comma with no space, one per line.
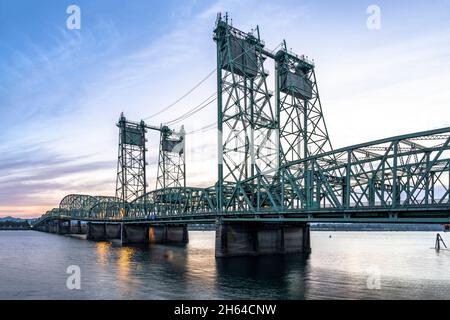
(259,131)
(172,161)
(131,181)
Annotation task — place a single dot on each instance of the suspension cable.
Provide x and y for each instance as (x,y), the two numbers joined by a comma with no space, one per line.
(182,97)
(194,110)
(207,128)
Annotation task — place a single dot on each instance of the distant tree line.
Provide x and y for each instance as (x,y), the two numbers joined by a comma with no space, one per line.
(14,225)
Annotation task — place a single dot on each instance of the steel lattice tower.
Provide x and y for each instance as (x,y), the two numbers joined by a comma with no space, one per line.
(303,131)
(131,165)
(171,164)
(247,126)
(255,134)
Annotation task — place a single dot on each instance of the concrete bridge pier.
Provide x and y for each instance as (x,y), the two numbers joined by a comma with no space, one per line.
(103,231)
(43,227)
(62,226)
(77,228)
(169,234)
(53,227)
(113,231)
(134,233)
(259,238)
(48,227)
(144,233)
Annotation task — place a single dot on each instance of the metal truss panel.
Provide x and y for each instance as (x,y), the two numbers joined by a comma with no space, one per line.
(131,166)
(303,131)
(172,159)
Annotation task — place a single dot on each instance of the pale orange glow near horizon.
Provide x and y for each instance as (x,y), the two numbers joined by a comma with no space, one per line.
(25,212)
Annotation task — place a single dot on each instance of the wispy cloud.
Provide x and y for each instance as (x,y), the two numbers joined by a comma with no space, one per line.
(37,177)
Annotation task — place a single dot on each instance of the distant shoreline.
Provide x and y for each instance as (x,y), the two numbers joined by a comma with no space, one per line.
(330,227)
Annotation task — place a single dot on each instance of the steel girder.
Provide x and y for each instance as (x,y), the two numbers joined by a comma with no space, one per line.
(173,202)
(49,215)
(108,208)
(392,175)
(77,205)
(86,207)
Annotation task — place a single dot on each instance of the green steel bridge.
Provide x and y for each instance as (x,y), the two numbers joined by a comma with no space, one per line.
(399,179)
(276,162)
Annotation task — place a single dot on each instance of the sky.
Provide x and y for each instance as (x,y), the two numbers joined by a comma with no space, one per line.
(62,91)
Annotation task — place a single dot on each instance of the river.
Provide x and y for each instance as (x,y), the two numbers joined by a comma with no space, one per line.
(342,265)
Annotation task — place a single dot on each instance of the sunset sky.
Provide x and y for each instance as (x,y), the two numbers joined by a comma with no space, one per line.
(62,91)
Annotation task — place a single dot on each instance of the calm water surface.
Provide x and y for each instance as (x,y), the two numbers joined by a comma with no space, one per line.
(33,266)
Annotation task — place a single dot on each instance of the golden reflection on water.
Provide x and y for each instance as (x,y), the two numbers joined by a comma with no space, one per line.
(125,273)
(151,234)
(124,262)
(103,249)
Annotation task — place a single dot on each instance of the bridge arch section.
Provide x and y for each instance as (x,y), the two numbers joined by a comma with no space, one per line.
(78,205)
(173,202)
(108,208)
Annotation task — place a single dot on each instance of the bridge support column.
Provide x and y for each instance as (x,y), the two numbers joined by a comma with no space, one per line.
(103,231)
(54,227)
(96,231)
(113,231)
(169,234)
(134,233)
(77,228)
(50,227)
(62,227)
(144,233)
(257,238)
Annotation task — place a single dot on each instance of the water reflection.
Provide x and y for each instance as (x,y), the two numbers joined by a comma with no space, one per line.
(264,277)
(125,255)
(336,268)
(103,250)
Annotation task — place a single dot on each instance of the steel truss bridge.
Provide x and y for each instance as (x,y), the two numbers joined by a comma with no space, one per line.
(399,179)
(277,162)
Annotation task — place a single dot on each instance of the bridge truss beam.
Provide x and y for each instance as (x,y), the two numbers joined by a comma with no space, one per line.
(388,180)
